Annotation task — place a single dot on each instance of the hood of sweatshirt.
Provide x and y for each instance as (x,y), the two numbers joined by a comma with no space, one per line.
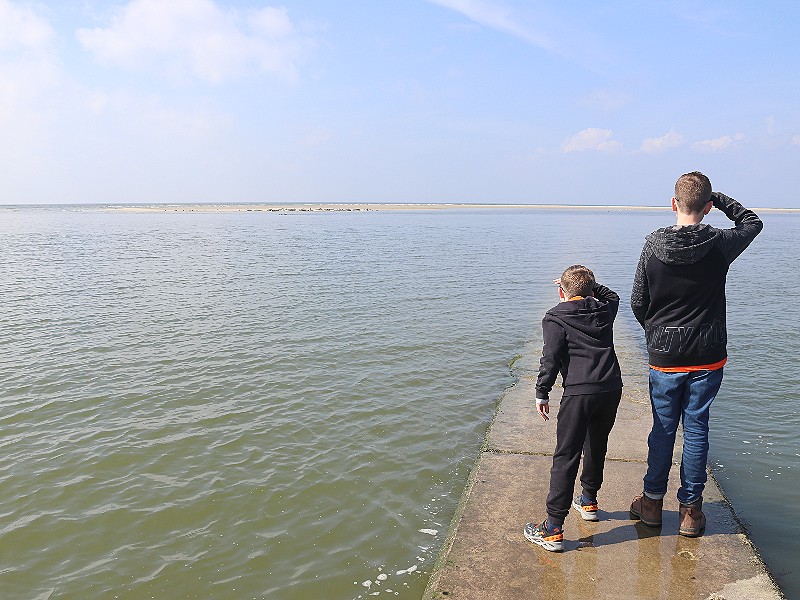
(682,245)
(588,315)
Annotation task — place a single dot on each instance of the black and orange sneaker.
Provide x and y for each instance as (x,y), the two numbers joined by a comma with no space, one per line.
(587,510)
(551,539)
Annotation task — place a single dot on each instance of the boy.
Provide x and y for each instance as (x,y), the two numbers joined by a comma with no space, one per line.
(678,296)
(578,343)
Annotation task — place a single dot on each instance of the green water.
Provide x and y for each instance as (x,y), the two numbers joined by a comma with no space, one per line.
(267,405)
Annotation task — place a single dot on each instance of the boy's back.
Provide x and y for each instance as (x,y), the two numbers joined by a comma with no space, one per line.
(579,344)
(678,293)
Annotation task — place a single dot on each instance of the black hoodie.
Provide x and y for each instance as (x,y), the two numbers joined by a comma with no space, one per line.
(579,343)
(678,293)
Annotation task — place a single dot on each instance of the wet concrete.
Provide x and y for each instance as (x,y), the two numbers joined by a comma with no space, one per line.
(487,557)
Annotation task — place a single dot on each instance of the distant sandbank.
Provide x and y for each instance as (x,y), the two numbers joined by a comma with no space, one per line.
(356,207)
(282,208)
(333,207)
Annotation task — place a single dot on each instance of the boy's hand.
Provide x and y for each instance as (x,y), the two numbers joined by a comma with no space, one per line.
(544,409)
(560,291)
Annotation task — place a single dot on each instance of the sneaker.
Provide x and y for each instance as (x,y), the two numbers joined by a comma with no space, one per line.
(647,510)
(587,510)
(540,535)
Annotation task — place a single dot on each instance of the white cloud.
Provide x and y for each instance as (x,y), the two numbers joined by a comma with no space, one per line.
(29,76)
(591,139)
(21,28)
(495,17)
(197,38)
(149,116)
(671,139)
(796,140)
(23,83)
(54,131)
(717,144)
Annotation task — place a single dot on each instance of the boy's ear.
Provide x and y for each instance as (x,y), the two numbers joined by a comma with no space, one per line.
(707,208)
(674,205)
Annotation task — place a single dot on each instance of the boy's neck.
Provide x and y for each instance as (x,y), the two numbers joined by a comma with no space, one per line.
(685,220)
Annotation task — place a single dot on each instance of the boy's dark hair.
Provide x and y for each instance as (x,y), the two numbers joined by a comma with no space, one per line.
(577,280)
(692,192)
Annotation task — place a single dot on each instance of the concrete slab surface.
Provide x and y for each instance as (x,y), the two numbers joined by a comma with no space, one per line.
(519,428)
(613,558)
(487,557)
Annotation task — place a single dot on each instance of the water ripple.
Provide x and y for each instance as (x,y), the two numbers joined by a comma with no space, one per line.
(255,405)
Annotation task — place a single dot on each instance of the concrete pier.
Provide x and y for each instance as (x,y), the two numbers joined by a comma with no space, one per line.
(486,556)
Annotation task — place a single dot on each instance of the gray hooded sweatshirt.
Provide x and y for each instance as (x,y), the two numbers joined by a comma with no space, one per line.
(678,293)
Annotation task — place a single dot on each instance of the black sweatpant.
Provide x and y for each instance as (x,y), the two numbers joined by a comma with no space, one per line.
(584,422)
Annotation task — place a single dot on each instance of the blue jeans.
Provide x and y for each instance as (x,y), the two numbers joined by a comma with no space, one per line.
(675,397)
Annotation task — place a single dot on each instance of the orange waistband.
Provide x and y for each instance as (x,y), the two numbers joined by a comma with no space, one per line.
(711,367)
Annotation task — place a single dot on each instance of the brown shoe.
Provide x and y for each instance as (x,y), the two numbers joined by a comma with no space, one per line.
(693,521)
(647,510)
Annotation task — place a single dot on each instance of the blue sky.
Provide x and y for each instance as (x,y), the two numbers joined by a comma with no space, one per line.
(495,101)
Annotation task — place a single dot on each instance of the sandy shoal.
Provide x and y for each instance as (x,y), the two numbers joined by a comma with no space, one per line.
(367,207)
(282,208)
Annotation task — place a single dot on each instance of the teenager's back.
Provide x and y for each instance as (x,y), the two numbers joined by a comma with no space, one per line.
(679,289)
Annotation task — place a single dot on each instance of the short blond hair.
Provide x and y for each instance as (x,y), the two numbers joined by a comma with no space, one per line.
(577,280)
(692,192)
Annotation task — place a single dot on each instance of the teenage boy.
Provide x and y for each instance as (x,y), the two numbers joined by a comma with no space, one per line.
(678,296)
(578,343)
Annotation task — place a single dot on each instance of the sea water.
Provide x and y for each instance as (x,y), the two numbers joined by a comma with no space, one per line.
(288,404)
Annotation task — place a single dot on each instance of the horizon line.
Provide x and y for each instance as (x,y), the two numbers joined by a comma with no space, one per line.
(356,205)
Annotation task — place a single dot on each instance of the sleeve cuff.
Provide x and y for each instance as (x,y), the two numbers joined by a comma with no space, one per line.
(540,401)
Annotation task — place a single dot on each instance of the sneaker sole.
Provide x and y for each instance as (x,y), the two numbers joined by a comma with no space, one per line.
(585,515)
(550,546)
(635,515)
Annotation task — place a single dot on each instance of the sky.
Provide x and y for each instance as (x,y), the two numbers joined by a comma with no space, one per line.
(419,101)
